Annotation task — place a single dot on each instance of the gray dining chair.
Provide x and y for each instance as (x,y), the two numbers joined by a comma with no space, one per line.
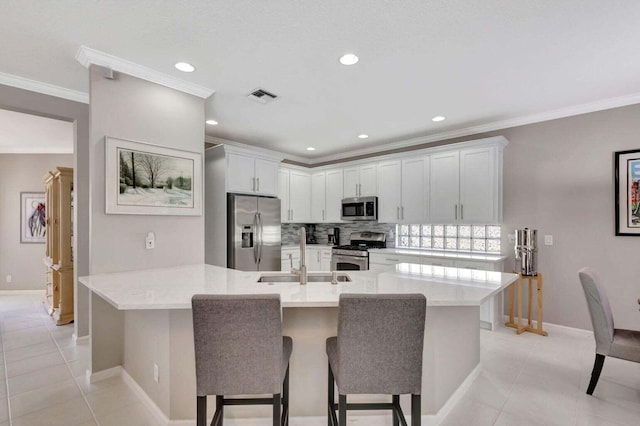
(610,341)
(378,350)
(240,350)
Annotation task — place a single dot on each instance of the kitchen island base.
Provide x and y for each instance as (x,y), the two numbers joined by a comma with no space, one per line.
(139,340)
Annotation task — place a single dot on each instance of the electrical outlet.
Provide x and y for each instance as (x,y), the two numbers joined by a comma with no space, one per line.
(548,240)
(156,373)
(9,278)
(150,241)
(511,238)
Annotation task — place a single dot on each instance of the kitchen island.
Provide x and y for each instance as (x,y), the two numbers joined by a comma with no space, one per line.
(141,327)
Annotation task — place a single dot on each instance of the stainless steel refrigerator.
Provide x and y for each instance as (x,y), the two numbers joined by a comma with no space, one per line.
(253,233)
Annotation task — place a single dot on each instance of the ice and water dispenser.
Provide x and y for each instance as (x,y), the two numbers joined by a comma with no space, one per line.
(247,236)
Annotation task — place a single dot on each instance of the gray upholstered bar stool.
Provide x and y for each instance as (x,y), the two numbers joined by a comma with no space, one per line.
(610,341)
(240,350)
(378,350)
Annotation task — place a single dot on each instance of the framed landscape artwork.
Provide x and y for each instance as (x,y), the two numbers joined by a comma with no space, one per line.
(627,178)
(33,225)
(152,180)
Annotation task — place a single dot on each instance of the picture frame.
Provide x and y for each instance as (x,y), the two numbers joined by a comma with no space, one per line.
(33,228)
(147,179)
(627,193)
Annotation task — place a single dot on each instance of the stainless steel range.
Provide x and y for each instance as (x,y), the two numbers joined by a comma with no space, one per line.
(355,256)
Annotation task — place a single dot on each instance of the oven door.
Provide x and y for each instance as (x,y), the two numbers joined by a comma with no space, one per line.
(341,262)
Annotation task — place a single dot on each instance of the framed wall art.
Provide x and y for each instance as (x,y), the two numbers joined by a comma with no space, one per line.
(627,202)
(148,179)
(33,221)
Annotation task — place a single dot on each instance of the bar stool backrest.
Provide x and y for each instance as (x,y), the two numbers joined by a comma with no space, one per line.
(599,309)
(238,344)
(380,343)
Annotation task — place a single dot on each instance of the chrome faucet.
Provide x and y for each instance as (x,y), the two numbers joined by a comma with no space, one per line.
(303,267)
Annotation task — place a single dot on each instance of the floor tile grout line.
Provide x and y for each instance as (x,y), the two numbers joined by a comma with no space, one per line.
(75,379)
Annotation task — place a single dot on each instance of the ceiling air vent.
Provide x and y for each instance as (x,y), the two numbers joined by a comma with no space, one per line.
(262,96)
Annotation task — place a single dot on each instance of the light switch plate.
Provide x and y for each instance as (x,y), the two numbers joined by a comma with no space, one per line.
(150,241)
(548,240)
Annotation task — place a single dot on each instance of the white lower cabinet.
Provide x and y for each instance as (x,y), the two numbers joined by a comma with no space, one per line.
(490,310)
(316,258)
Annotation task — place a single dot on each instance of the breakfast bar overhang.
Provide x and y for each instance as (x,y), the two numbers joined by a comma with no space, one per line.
(141,327)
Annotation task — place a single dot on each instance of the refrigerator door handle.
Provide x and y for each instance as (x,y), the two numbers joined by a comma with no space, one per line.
(256,239)
(261,237)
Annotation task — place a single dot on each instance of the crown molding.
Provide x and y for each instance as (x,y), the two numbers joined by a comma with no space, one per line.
(601,105)
(44,88)
(45,150)
(87,56)
(254,150)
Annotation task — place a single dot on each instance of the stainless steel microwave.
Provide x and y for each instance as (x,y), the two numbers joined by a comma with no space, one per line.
(360,208)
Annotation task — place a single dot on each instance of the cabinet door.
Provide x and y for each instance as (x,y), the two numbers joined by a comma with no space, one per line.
(295,257)
(312,258)
(368,181)
(443,200)
(334,188)
(283,194)
(351,182)
(415,190)
(300,196)
(478,186)
(318,198)
(325,260)
(240,173)
(266,174)
(389,191)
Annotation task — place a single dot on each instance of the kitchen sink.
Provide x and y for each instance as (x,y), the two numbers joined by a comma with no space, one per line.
(311,278)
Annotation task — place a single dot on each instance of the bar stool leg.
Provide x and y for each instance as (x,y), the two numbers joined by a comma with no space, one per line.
(416,410)
(285,399)
(276,409)
(218,417)
(201,411)
(331,397)
(342,410)
(396,403)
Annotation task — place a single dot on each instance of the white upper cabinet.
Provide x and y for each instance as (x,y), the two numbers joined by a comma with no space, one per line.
(360,181)
(249,175)
(295,195)
(445,184)
(466,186)
(334,195)
(479,186)
(403,190)
(318,197)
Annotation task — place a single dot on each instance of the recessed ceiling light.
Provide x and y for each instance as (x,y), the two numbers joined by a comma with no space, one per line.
(212,122)
(185,67)
(310,148)
(349,59)
(363,136)
(438,118)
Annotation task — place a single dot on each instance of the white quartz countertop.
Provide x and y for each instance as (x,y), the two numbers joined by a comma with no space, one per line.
(442,254)
(172,288)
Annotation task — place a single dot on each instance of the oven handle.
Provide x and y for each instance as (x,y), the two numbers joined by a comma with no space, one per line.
(360,261)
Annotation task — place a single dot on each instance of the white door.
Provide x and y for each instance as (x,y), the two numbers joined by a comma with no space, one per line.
(443,200)
(389,191)
(351,182)
(283,194)
(334,188)
(240,173)
(266,173)
(300,196)
(415,190)
(318,197)
(368,182)
(478,186)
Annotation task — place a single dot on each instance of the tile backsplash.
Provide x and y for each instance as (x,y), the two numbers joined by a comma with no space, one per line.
(290,231)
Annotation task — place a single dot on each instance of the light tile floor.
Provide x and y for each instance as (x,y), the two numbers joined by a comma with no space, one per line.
(526,380)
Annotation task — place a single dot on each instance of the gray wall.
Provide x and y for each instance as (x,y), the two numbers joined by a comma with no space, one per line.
(78,113)
(22,173)
(134,109)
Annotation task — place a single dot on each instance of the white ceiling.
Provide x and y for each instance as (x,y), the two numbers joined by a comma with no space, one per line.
(28,134)
(475,62)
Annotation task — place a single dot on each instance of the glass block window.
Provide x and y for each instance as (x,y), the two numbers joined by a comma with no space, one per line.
(472,238)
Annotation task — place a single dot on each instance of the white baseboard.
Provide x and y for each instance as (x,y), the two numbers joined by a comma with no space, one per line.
(104,374)
(550,326)
(157,413)
(80,340)
(17,292)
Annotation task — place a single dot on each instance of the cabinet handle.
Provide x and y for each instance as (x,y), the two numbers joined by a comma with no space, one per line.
(291,214)
(402,210)
(356,189)
(360,189)
(318,256)
(258,184)
(253,184)
(456,211)
(393,260)
(398,212)
(462,211)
